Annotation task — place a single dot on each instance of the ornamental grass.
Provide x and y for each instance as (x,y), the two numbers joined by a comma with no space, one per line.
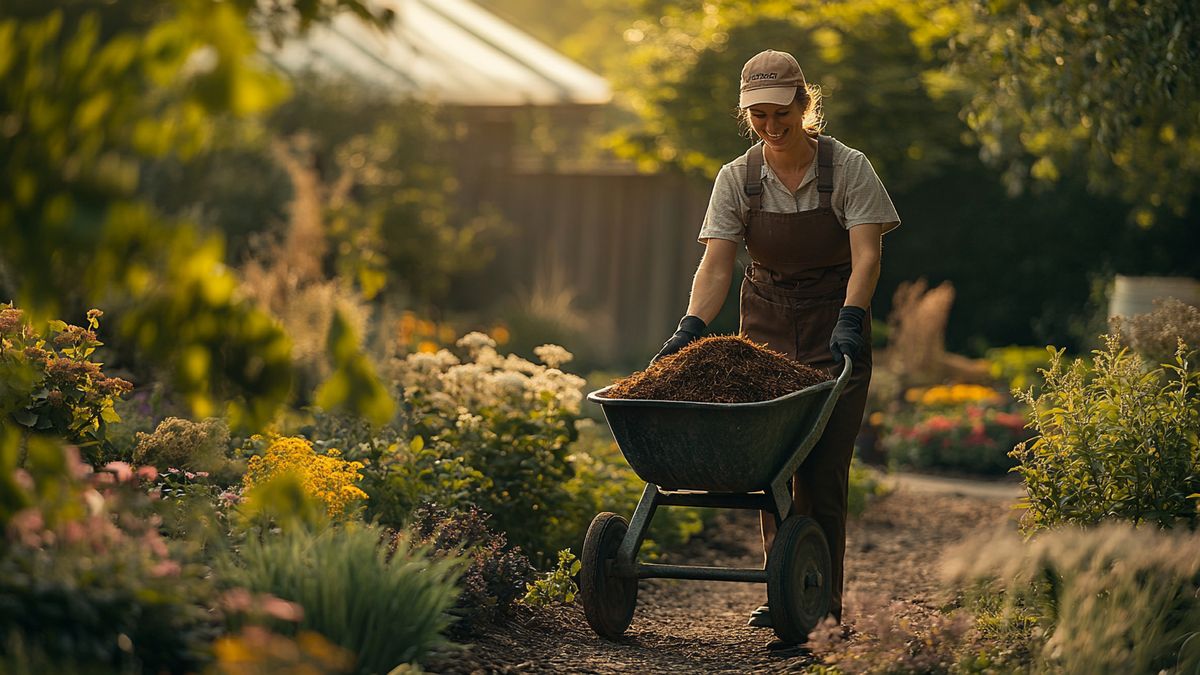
(387,609)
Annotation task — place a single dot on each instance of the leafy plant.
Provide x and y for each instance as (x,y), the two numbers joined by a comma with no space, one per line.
(387,607)
(557,585)
(1115,440)
(49,384)
(1016,366)
(496,573)
(1155,335)
(498,429)
(85,575)
(182,444)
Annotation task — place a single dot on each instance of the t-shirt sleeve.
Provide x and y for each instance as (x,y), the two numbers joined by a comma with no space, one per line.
(726,215)
(867,201)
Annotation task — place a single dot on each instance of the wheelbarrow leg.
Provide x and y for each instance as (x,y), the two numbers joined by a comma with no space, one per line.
(781,494)
(626,565)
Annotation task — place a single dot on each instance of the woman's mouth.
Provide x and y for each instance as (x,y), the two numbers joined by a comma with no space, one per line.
(776,136)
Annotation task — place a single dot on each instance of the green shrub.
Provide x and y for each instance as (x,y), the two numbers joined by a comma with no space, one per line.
(556,586)
(1110,599)
(865,485)
(496,575)
(1155,335)
(603,481)
(86,577)
(49,384)
(391,471)
(1017,367)
(387,609)
(1115,440)
(182,444)
(497,431)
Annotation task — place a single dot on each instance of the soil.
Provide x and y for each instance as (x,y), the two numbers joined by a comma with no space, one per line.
(892,554)
(718,369)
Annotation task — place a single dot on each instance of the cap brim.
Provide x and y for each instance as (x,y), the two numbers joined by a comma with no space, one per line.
(775,95)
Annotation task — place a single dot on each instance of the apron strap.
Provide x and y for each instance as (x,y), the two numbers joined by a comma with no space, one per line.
(754,166)
(824,170)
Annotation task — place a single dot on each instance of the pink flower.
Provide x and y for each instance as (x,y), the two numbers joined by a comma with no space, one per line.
(166,568)
(28,525)
(1011,420)
(122,470)
(235,600)
(281,609)
(202,474)
(74,532)
(147,473)
(75,465)
(939,424)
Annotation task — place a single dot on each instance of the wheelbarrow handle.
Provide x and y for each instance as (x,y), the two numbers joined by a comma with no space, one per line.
(844,377)
(780,494)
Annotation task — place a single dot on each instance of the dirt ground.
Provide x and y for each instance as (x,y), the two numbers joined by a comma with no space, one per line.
(892,554)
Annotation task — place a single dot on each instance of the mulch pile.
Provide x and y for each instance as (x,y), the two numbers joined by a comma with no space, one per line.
(718,369)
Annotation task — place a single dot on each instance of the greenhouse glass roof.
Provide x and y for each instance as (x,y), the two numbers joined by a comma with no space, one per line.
(445,51)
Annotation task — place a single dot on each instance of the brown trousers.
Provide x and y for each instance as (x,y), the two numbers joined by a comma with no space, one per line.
(798,323)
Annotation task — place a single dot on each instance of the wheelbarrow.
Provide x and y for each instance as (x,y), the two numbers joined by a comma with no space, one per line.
(724,455)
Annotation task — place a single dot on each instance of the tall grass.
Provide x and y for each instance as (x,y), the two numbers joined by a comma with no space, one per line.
(387,611)
(1110,599)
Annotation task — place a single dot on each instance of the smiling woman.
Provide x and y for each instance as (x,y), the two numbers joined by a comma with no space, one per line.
(811,213)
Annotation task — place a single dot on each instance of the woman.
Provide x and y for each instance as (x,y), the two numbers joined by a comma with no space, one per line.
(811,212)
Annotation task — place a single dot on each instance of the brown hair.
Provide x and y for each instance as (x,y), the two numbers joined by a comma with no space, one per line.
(814,117)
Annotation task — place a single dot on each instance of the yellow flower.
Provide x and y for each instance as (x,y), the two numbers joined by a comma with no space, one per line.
(327,477)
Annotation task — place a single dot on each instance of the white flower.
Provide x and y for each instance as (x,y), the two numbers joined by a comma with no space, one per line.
(446,358)
(474,341)
(517,364)
(489,358)
(508,383)
(553,355)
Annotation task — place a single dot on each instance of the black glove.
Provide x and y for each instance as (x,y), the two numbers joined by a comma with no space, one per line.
(847,338)
(690,328)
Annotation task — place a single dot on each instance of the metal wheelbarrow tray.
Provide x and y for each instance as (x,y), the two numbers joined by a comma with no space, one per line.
(726,455)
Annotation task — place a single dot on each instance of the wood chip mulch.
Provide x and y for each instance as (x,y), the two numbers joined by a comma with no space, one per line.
(718,369)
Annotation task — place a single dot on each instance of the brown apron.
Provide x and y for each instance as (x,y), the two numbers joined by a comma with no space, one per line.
(794,288)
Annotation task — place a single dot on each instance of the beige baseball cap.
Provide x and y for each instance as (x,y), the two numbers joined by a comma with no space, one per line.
(770,77)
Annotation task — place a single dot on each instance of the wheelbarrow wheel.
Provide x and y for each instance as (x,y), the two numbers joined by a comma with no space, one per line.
(798,579)
(608,600)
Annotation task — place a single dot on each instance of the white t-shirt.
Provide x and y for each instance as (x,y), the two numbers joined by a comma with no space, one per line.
(858,195)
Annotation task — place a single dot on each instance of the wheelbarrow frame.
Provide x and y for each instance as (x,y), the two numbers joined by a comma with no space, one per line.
(775,497)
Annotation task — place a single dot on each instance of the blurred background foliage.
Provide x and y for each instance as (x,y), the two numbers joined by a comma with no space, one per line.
(1033,149)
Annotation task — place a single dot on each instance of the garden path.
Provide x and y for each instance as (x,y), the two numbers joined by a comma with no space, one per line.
(699,627)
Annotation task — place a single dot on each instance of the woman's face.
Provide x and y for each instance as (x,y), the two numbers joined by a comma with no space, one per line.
(779,126)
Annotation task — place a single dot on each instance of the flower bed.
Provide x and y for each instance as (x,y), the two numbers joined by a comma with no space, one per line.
(961,427)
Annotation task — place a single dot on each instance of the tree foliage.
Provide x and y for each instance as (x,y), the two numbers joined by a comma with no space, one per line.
(89,92)
(1110,89)
(906,82)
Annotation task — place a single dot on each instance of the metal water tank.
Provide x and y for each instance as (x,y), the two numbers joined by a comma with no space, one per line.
(1136,295)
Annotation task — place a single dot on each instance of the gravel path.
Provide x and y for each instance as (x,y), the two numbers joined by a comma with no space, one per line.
(692,626)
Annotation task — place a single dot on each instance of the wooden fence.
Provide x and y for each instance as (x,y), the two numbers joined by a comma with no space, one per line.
(622,246)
